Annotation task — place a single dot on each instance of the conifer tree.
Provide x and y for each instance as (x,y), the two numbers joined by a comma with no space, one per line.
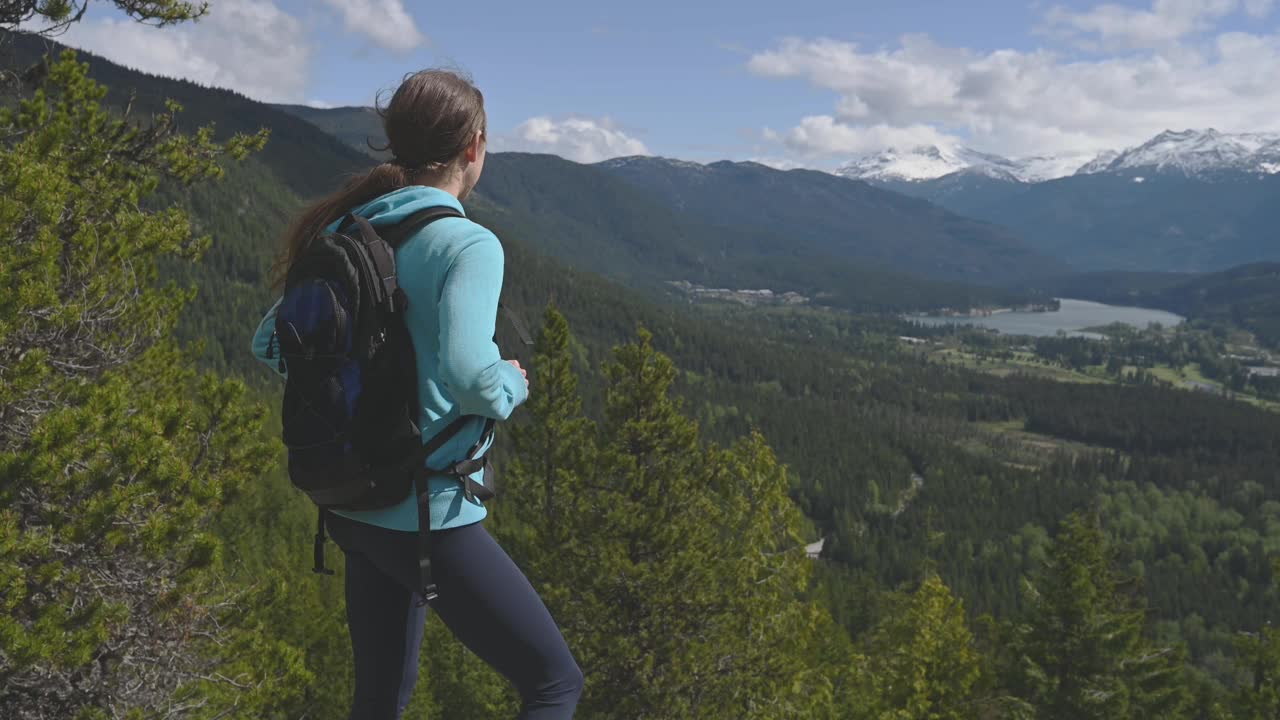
(53,16)
(114,453)
(673,567)
(551,456)
(919,662)
(1259,658)
(1083,656)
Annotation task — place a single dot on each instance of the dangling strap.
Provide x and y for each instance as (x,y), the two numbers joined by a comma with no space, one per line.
(318,549)
(517,323)
(427,593)
(423,491)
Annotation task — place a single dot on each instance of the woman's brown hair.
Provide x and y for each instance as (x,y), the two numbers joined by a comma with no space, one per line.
(431,119)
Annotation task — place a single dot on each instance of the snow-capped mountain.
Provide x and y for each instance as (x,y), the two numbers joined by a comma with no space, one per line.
(1193,200)
(1191,153)
(1050,167)
(1099,163)
(1196,153)
(921,163)
(649,161)
(929,162)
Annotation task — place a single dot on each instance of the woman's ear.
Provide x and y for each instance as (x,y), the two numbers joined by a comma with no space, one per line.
(473,150)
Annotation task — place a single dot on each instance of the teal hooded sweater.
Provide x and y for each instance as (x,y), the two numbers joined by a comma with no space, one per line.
(452,272)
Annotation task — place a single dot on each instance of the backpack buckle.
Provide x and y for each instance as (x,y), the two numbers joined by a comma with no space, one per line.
(399,300)
(428,591)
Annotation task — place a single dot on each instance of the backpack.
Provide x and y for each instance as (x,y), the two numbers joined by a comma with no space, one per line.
(350,411)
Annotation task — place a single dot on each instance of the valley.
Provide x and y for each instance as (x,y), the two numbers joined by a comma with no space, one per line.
(797,305)
(1005,434)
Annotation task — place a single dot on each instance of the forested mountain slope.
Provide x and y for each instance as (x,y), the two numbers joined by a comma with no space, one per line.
(1130,219)
(844,218)
(727,214)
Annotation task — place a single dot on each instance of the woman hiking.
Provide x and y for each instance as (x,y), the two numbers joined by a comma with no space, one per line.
(450,272)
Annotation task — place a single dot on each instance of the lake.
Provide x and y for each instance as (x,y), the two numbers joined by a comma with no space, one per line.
(1073,315)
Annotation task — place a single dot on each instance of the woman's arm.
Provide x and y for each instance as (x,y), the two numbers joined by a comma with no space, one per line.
(471,367)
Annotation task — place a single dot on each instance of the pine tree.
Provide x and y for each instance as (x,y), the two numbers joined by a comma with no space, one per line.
(919,662)
(114,453)
(1258,655)
(57,15)
(1082,655)
(673,567)
(551,456)
(539,488)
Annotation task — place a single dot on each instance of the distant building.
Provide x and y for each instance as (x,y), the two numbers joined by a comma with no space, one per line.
(814,550)
(1264,371)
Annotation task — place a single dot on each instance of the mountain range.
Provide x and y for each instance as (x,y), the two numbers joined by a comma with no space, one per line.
(930,162)
(1201,154)
(781,218)
(989,234)
(740,224)
(1190,201)
(852,221)
(735,225)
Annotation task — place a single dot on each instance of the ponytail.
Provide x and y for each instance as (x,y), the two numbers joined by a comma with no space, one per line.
(382,179)
(432,117)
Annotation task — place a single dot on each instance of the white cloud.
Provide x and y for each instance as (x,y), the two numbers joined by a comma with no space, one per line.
(250,46)
(1165,22)
(386,22)
(583,140)
(825,135)
(1036,102)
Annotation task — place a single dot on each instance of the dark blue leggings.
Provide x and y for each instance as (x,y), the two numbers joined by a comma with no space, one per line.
(484,599)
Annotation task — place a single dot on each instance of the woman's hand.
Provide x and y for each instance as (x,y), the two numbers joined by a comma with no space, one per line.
(523,372)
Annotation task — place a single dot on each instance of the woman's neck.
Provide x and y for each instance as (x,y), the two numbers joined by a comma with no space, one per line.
(452,182)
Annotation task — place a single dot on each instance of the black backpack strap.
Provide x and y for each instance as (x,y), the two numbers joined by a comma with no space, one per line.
(385,288)
(381,244)
(396,234)
(463,469)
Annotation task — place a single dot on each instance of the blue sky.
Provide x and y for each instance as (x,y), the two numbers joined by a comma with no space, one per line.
(673,74)
(800,83)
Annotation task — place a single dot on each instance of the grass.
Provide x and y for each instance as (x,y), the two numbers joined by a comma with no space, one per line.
(1023,362)
(1180,377)
(1013,445)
